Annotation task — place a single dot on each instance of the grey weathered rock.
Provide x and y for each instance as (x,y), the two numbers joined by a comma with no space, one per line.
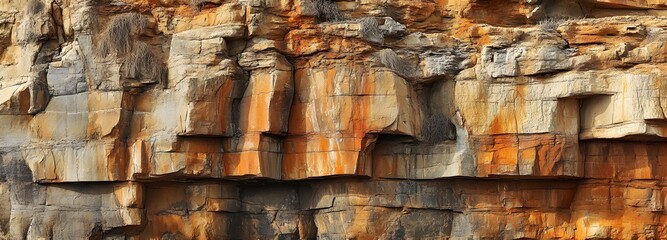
(260,119)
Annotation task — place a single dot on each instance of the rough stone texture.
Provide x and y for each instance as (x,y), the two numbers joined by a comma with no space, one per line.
(459,119)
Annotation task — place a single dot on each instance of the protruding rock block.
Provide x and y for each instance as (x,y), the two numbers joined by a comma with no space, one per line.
(209,83)
(185,157)
(227,14)
(253,155)
(27,98)
(303,156)
(71,153)
(635,111)
(267,100)
(334,109)
(67,76)
(93,161)
(404,159)
(263,115)
(528,155)
(129,194)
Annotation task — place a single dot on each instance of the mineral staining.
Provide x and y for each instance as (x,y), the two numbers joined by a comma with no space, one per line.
(347,119)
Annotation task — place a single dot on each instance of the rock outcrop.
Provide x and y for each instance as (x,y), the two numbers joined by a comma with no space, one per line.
(348,119)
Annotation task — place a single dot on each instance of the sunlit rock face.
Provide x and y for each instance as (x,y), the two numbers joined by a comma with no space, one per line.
(350,119)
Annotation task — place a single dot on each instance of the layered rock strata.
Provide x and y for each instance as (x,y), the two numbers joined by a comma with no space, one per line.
(350,119)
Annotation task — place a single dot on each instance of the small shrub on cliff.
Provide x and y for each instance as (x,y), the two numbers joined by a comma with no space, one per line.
(437,128)
(550,24)
(139,62)
(142,63)
(327,11)
(370,28)
(391,60)
(116,38)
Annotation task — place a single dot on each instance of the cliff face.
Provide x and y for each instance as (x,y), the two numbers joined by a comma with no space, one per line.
(366,119)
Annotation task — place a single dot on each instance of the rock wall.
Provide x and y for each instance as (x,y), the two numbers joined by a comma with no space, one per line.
(349,119)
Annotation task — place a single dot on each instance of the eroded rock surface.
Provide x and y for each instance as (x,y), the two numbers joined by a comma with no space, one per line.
(304,119)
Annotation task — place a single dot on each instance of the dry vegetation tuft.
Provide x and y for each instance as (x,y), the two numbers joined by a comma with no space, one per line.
(327,11)
(391,60)
(142,63)
(139,61)
(437,128)
(550,24)
(370,29)
(116,38)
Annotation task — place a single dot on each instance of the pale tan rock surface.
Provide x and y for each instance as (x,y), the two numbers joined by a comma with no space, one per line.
(305,119)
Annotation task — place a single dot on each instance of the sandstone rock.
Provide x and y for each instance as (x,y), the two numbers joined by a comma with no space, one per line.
(27,98)
(657,4)
(390,120)
(392,28)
